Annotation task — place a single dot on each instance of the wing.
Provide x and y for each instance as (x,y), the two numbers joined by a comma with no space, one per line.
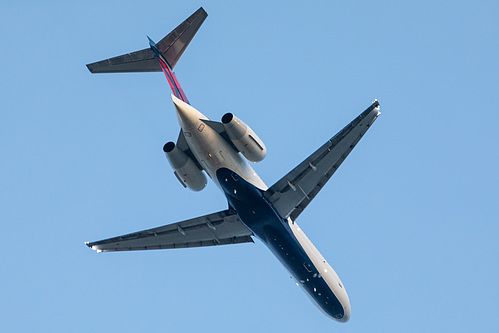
(214,229)
(171,46)
(292,193)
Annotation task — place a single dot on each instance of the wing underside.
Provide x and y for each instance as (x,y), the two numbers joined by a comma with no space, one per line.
(219,228)
(292,193)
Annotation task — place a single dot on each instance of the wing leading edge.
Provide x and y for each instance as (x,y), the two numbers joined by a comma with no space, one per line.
(219,228)
(293,192)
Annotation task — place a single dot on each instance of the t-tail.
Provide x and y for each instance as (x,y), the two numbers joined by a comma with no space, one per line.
(159,57)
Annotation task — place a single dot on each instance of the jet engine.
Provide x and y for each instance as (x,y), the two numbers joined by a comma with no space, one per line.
(243,137)
(186,171)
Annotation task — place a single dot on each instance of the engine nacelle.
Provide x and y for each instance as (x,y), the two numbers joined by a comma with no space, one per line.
(243,137)
(186,171)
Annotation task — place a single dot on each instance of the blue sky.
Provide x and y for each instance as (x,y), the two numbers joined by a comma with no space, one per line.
(409,222)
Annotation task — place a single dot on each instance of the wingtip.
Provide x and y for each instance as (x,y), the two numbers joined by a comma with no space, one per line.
(89,68)
(201,10)
(90,246)
(377,107)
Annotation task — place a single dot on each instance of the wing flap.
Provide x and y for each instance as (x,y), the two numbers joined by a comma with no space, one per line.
(292,193)
(219,228)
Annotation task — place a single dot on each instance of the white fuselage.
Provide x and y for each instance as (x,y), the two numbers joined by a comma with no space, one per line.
(213,153)
(209,148)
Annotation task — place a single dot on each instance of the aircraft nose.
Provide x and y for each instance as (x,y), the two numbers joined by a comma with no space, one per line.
(345,303)
(346,314)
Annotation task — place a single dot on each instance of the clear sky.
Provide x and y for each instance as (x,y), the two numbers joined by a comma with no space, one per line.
(409,222)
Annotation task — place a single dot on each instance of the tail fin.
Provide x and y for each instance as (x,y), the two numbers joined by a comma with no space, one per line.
(171,48)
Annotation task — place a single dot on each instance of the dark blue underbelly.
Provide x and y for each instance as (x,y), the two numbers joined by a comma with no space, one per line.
(259,216)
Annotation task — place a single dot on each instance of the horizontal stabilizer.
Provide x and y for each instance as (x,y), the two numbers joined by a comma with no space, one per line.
(171,47)
(219,228)
(293,192)
(139,61)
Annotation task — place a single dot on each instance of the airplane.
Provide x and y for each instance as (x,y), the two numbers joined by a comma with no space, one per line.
(222,151)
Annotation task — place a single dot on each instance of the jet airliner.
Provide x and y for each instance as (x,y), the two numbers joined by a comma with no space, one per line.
(222,151)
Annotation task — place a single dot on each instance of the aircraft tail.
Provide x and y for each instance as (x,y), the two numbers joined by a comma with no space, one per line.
(170,48)
(162,56)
